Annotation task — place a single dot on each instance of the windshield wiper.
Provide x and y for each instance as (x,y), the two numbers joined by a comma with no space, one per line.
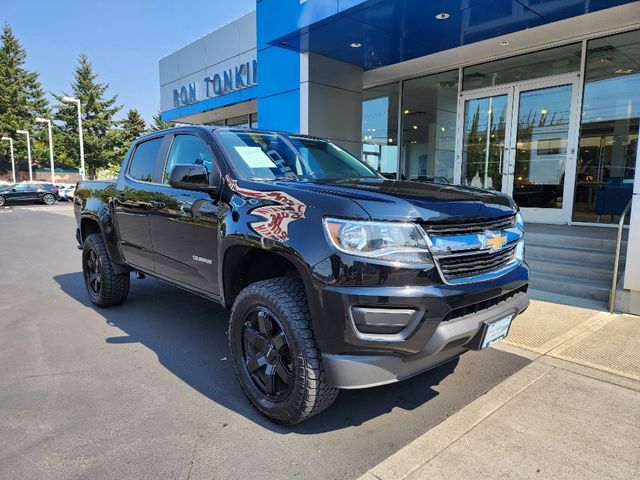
(289,178)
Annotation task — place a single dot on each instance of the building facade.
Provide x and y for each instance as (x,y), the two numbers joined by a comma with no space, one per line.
(539,99)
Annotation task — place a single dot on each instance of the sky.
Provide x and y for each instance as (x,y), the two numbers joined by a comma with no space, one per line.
(124,39)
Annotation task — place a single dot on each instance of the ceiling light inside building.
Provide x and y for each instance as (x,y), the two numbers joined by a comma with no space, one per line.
(415,127)
(503,44)
(407,112)
(356,45)
(623,71)
(442,16)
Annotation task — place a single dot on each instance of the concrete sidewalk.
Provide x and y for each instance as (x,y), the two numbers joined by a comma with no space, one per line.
(574,412)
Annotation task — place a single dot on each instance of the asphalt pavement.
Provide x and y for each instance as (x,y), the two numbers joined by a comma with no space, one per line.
(147,390)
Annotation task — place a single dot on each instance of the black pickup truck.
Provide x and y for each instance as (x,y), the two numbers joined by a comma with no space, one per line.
(336,277)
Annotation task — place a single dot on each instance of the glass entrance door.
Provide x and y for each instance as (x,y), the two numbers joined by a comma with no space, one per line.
(521,140)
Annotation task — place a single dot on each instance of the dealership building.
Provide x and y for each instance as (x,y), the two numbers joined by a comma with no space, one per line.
(539,99)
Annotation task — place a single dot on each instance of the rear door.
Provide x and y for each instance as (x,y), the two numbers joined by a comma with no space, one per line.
(132,202)
(185,224)
(23,192)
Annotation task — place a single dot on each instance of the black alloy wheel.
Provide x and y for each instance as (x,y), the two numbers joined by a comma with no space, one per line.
(92,272)
(107,284)
(274,353)
(267,355)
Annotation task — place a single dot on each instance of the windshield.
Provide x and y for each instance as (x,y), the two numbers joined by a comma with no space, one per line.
(270,156)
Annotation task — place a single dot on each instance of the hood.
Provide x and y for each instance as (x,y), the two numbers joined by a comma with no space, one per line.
(413,201)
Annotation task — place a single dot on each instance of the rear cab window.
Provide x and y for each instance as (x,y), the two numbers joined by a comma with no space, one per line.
(143,162)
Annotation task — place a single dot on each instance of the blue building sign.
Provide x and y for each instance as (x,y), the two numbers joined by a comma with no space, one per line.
(232,79)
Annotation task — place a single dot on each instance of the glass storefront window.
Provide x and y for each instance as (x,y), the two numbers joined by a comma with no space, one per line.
(554,61)
(254,120)
(380,128)
(429,127)
(241,121)
(606,164)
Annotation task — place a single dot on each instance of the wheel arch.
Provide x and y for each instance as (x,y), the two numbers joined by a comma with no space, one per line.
(245,263)
(90,224)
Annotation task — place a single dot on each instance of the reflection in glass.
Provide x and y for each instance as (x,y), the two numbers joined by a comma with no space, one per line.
(609,131)
(380,128)
(553,61)
(429,127)
(541,147)
(241,121)
(484,142)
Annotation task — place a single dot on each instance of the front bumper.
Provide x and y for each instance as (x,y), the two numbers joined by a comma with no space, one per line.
(449,340)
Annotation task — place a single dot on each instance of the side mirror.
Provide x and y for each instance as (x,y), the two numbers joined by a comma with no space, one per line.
(191,177)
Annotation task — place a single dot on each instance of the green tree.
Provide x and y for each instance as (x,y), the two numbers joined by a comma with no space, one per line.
(21,99)
(159,124)
(98,111)
(131,127)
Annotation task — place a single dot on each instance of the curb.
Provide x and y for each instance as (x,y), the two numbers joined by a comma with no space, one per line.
(410,458)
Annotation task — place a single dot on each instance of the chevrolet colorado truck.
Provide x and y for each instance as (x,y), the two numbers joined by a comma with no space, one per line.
(336,277)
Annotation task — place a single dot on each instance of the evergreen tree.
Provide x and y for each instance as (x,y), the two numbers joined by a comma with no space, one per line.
(100,142)
(159,124)
(131,127)
(21,99)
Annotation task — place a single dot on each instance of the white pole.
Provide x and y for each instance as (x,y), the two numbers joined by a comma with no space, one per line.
(13,163)
(81,141)
(25,132)
(77,102)
(48,122)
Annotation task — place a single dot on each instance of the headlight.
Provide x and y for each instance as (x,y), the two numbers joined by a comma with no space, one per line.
(389,241)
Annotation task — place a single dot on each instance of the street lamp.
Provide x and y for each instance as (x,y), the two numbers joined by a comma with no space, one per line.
(77,102)
(13,163)
(48,122)
(24,132)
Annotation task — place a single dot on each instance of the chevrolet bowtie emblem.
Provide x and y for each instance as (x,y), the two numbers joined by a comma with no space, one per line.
(494,241)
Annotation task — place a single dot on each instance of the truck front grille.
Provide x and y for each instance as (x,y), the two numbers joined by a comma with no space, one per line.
(468,252)
(478,225)
(455,267)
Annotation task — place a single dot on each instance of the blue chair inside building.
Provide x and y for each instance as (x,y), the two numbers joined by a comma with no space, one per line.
(613,197)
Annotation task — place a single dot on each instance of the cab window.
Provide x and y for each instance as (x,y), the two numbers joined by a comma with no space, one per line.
(144,158)
(187,149)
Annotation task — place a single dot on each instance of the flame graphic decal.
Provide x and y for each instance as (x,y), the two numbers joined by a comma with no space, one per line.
(277,216)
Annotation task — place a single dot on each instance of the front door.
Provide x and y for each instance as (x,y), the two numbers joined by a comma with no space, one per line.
(185,224)
(521,140)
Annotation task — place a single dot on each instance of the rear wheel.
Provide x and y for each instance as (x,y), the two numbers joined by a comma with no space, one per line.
(2,200)
(48,199)
(105,287)
(274,353)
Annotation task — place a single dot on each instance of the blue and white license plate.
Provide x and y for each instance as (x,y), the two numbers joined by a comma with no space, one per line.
(496,330)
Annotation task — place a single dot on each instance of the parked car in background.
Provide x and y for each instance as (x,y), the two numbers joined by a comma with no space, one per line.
(28,192)
(66,193)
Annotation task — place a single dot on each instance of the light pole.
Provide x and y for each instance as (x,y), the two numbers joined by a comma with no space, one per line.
(48,122)
(13,163)
(24,132)
(77,102)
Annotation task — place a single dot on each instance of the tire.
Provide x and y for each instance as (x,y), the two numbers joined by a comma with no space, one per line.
(2,201)
(280,306)
(48,199)
(105,287)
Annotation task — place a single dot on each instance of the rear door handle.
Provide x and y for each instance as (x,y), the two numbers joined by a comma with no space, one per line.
(157,204)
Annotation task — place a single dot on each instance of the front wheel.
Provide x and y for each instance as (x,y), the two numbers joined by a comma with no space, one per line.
(274,353)
(48,199)
(2,200)
(105,287)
